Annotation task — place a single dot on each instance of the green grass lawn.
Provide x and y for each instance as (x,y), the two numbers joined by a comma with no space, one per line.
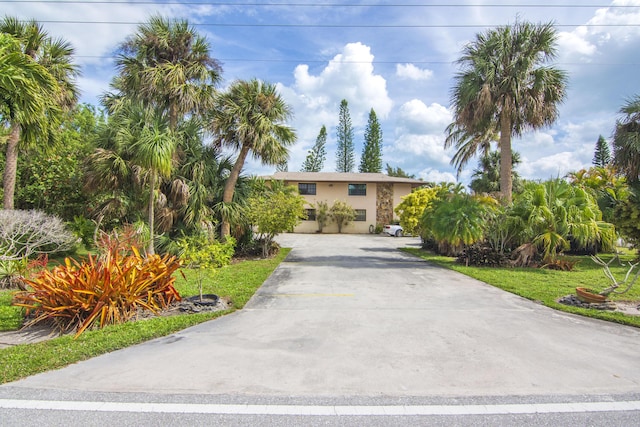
(237,281)
(546,286)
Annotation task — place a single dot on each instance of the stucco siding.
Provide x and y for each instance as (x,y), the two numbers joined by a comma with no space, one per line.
(383,194)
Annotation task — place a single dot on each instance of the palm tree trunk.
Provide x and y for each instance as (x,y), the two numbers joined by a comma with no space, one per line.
(506,183)
(152,185)
(11,166)
(230,188)
(173,116)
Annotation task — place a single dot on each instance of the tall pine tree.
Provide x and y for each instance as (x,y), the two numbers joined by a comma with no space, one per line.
(317,155)
(372,151)
(283,167)
(602,154)
(398,172)
(344,156)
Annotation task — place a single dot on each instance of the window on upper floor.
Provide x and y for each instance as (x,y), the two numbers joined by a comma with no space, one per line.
(361,215)
(357,189)
(308,188)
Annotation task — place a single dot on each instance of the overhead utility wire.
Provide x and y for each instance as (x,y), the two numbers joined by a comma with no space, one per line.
(322,61)
(208,24)
(434,5)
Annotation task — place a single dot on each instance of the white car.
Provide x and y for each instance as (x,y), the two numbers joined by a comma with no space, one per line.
(392,230)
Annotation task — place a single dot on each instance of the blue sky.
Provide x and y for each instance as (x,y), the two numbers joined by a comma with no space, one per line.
(395,57)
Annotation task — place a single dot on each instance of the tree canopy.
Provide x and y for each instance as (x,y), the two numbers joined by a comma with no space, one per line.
(602,153)
(371,160)
(504,86)
(32,107)
(251,118)
(317,155)
(345,161)
(626,140)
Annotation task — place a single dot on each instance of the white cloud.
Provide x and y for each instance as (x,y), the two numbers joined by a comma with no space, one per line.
(411,72)
(615,25)
(423,148)
(433,175)
(575,43)
(315,99)
(94,41)
(552,166)
(415,117)
(419,137)
(349,75)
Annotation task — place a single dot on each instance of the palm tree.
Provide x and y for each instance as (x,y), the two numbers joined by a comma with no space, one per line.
(250,117)
(21,78)
(168,65)
(626,141)
(456,221)
(556,213)
(137,146)
(504,87)
(467,145)
(57,92)
(153,150)
(196,185)
(486,178)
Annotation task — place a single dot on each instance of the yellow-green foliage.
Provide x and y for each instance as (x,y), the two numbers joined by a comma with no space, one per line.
(342,213)
(203,253)
(101,291)
(275,212)
(411,208)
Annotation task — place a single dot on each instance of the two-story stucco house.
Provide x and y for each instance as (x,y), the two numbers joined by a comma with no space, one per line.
(372,195)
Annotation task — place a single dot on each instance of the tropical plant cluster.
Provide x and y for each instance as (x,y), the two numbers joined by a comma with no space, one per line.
(155,156)
(339,212)
(545,220)
(109,289)
(145,174)
(153,153)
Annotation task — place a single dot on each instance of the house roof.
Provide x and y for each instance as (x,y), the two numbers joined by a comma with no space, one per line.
(343,177)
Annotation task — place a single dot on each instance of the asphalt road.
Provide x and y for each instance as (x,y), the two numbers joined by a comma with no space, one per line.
(351,331)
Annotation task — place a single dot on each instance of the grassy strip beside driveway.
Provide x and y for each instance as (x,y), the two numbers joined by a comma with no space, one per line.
(237,281)
(546,286)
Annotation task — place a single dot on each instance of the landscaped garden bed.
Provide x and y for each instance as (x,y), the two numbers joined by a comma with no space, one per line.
(235,283)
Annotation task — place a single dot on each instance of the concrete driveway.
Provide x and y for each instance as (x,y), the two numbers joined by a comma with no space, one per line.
(349,315)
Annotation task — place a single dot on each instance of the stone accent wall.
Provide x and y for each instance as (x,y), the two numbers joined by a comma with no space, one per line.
(384,203)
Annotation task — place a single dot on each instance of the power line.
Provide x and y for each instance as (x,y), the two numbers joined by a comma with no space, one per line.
(323,61)
(362,5)
(254,25)
(205,3)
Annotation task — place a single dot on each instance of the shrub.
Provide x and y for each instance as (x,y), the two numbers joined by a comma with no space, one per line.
(84,229)
(201,249)
(24,234)
(123,239)
(455,222)
(342,213)
(13,272)
(108,290)
(482,256)
(273,212)
(322,215)
(411,208)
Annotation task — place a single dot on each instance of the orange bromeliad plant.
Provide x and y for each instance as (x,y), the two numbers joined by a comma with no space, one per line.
(100,291)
